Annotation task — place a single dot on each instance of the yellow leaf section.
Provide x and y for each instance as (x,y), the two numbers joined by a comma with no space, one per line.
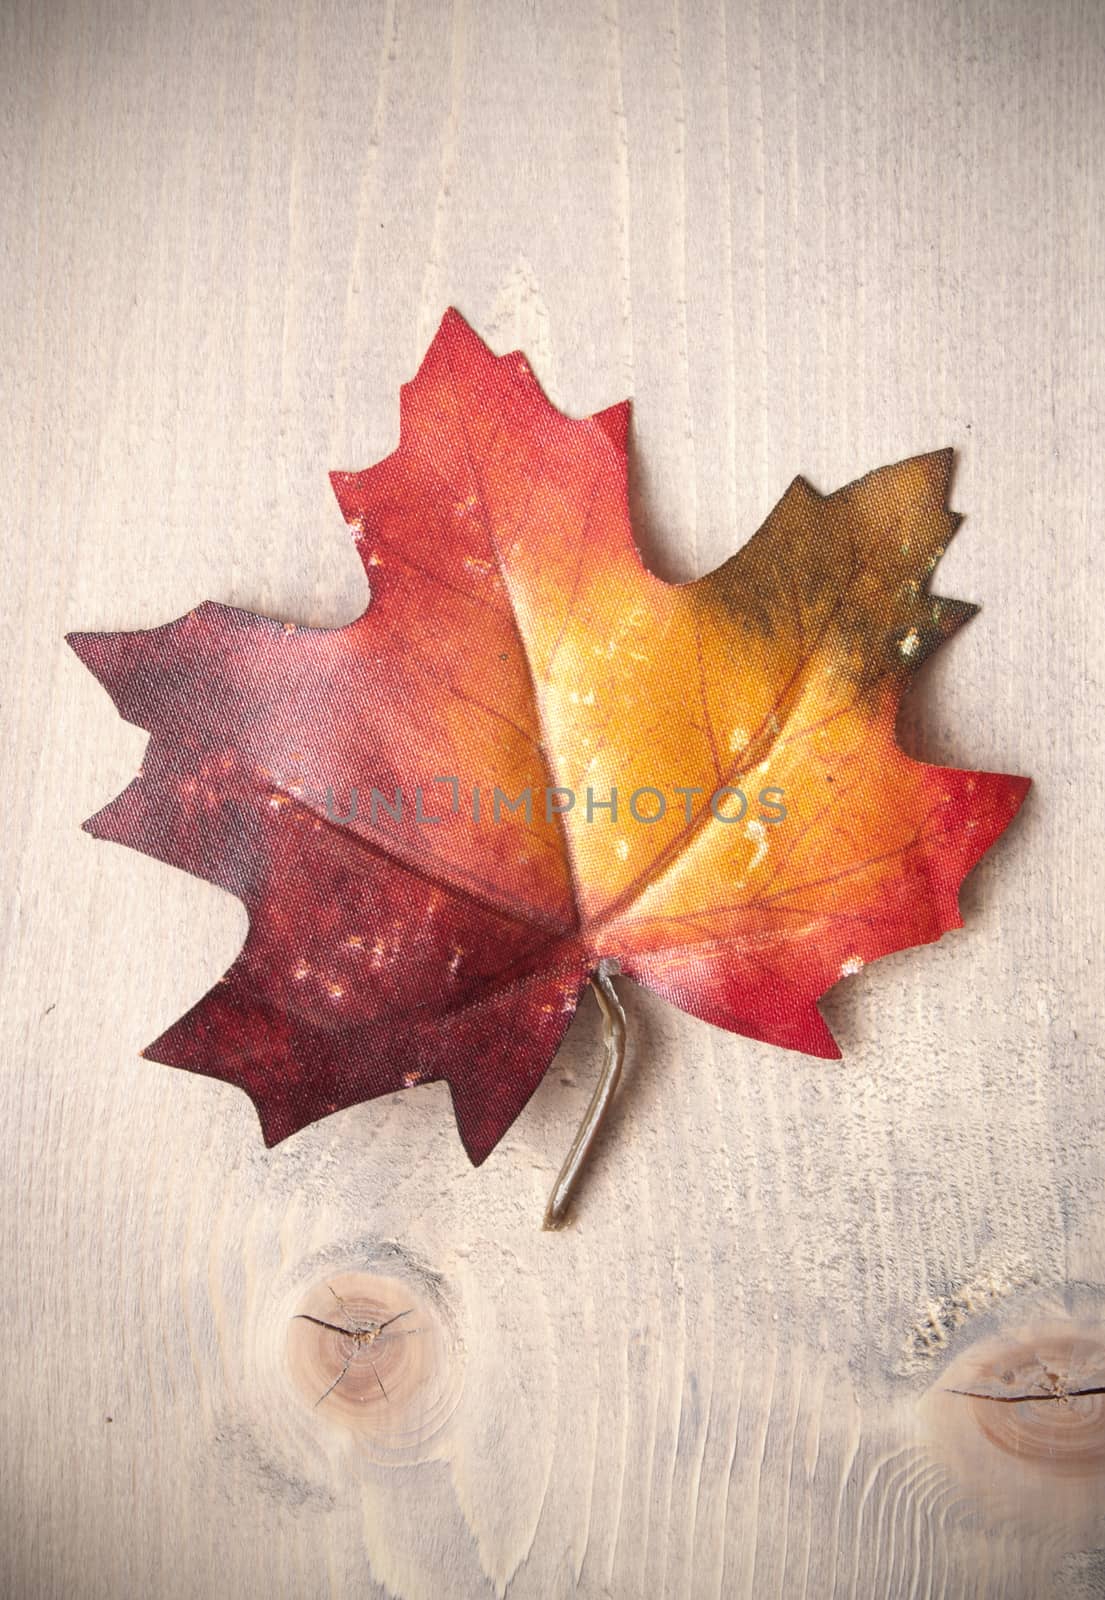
(773,673)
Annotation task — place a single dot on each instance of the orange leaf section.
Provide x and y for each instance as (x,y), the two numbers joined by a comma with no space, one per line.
(715,798)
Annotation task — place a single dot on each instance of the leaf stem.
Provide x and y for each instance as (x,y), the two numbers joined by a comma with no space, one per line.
(613,1033)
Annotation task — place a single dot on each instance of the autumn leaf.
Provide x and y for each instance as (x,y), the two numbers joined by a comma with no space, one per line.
(363,789)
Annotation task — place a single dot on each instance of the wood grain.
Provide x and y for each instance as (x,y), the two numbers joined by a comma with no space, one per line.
(804,238)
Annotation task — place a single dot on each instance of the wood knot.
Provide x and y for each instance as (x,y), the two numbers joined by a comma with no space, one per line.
(1036,1397)
(377,1354)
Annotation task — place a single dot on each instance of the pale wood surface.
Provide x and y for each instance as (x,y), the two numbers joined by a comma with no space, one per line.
(804,238)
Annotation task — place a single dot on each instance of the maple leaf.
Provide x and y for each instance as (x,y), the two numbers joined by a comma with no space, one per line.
(768,836)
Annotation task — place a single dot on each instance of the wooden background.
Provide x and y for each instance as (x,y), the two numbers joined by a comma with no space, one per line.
(806,237)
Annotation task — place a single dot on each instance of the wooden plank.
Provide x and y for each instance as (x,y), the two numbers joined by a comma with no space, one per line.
(804,239)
